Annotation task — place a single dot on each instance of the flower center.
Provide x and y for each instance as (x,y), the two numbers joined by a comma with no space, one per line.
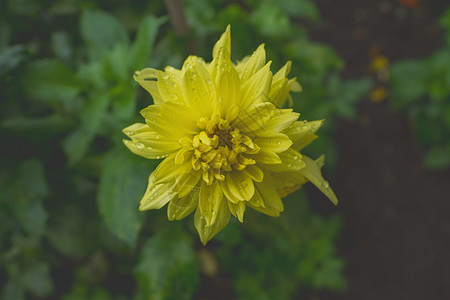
(219,148)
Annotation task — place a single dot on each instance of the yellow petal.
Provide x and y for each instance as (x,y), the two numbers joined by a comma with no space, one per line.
(254,119)
(272,206)
(266,157)
(156,195)
(254,172)
(294,86)
(180,116)
(210,200)
(240,185)
(256,200)
(250,65)
(276,142)
(283,72)
(187,181)
(256,87)
(167,170)
(302,133)
(272,201)
(291,160)
(147,78)
(313,174)
(169,124)
(223,42)
(169,87)
(280,122)
(141,143)
(208,232)
(226,79)
(279,92)
(237,209)
(198,87)
(145,151)
(180,208)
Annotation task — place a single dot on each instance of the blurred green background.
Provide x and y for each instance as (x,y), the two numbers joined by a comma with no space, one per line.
(69,224)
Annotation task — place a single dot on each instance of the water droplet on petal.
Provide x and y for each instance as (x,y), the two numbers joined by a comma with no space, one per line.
(295,157)
(278,142)
(140,145)
(325,184)
(213,212)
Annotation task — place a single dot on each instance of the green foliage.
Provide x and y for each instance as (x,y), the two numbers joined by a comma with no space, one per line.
(70,188)
(120,189)
(421,88)
(166,269)
(24,221)
(300,251)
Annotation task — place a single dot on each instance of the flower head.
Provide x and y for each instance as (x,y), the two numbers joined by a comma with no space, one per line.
(226,143)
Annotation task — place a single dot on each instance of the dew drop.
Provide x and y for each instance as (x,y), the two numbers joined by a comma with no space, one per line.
(325,184)
(213,212)
(289,165)
(278,142)
(140,145)
(295,157)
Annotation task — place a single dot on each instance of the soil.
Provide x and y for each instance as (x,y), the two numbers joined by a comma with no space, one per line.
(396,239)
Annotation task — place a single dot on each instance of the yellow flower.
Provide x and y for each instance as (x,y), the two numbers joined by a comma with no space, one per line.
(226,143)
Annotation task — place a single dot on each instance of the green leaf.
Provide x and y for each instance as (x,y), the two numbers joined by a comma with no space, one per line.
(409,81)
(142,46)
(13,289)
(5,35)
(270,20)
(29,189)
(122,185)
(77,143)
(62,45)
(124,100)
(51,79)
(101,32)
(36,278)
(347,93)
(438,157)
(300,8)
(51,124)
(116,64)
(444,20)
(167,269)
(24,7)
(10,58)
(71,233)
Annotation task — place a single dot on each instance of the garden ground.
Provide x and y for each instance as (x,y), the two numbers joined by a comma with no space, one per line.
(395,212)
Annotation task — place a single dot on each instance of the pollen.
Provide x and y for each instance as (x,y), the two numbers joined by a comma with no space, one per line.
(217,149)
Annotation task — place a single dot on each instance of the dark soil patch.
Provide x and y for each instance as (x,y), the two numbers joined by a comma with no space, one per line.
(397,232)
